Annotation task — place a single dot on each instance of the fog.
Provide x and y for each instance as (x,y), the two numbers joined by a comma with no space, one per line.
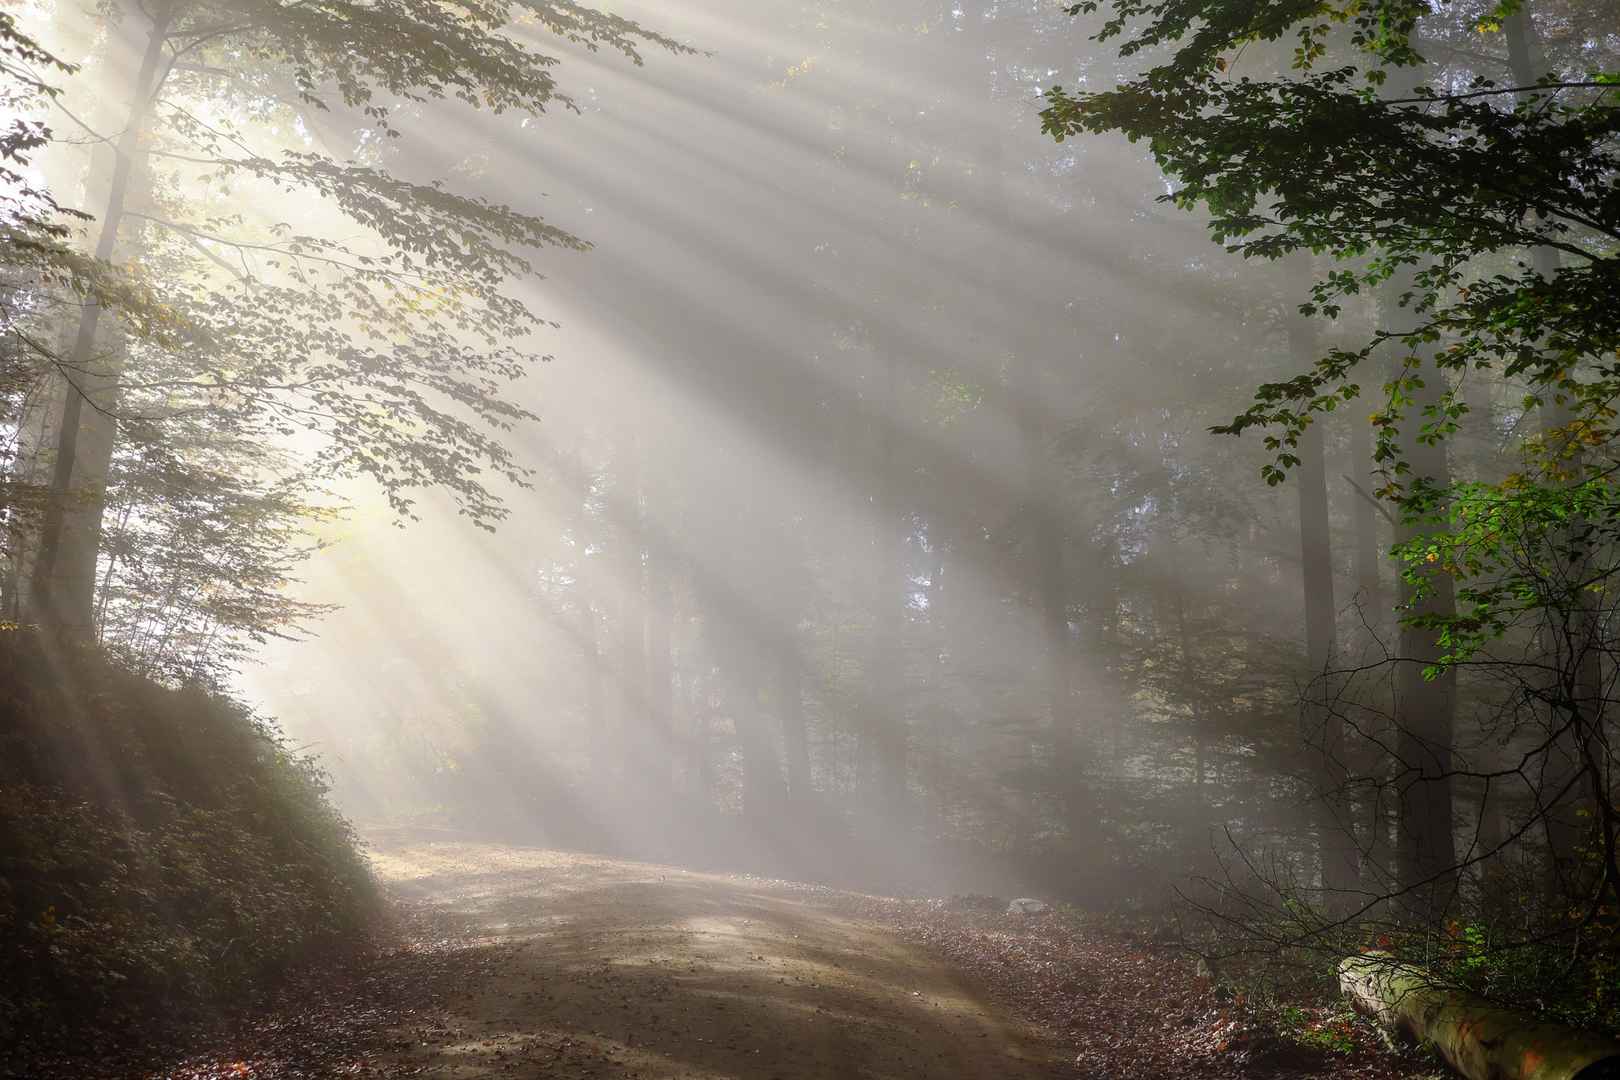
(752,442)
(874,531)
(801,538)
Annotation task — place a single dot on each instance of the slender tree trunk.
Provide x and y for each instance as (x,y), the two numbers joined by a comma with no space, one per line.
(1048,587)
(1574,650)
(630,705)
(1364,522)
(1424,707)
(1102,618)
(660,675)
(942,727)
(585,610)
(885,730)
(796,747)
(1376,811)
(1324,727)
(595,714)
(1184,646)
(63,586)
(701,763)
(762,795)
(39,415)
(1334,823)
(1424,710)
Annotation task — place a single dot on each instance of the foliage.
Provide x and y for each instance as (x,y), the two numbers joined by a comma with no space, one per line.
(34,223)
(200,555)
(39,262)
(162,850)
(1420,186)
(1476,200)
(1522,552)
(292,311)
(391,342)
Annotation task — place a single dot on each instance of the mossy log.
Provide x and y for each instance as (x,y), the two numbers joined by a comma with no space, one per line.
(1480,1040)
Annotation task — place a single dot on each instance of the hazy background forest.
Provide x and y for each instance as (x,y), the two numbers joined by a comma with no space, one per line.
(874,496)
(780,438)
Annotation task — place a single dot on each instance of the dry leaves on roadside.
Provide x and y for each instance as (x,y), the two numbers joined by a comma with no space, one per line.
(1130,1008)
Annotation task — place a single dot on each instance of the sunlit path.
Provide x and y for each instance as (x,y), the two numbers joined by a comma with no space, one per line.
(611,968)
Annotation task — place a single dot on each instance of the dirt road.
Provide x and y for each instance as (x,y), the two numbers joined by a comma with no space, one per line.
(611,969)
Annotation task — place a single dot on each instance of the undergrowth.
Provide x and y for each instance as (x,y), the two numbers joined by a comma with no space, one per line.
(162,852)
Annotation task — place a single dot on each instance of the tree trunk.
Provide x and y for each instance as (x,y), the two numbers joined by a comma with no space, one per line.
(595,717)
(762,788)
(1375,809)
(700,767)
(884,734)
(1364,520)
(590,651)
(28,473)
(1335,835)
(1048,588)
(62,589)
(796,747)
(1424,707)
(630,706)
(1573,652)
(1480,1040)
(660,675)
(1200,752)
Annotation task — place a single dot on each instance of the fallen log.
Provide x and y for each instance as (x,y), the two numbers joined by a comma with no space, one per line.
(1480,1040)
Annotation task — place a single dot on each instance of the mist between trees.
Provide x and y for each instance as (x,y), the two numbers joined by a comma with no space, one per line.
(929,490)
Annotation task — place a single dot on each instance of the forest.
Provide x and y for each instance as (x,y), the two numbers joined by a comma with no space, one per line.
(809,538)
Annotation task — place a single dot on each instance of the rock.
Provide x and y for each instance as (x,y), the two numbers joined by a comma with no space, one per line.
(1026,906)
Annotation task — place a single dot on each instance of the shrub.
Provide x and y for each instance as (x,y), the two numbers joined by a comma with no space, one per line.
(160,850)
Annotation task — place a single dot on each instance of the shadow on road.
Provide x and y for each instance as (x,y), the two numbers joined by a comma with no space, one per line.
(604,968)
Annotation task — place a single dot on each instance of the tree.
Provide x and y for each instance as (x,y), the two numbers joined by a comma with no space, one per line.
(42,275)
(1475,195)
(381,324)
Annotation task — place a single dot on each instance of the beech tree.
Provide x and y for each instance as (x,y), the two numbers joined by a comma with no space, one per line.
(367,314)
(1445,160)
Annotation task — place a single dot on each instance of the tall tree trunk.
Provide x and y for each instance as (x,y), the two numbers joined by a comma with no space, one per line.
(762,794)
(700,763)
(1048,587)
(62,589)
(1424,710)
(795,745)
(1364,522)
(28,471)
(585,611)
(111,50)
(1340,871)
(1376,809)
(885,734)
(1424,707)
(1188,679)
(660,674)
(630,705)
(1573,649)
(595,715)
(1101,599)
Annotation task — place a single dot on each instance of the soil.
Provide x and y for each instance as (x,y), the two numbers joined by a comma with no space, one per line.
(620,969)
(516,962)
